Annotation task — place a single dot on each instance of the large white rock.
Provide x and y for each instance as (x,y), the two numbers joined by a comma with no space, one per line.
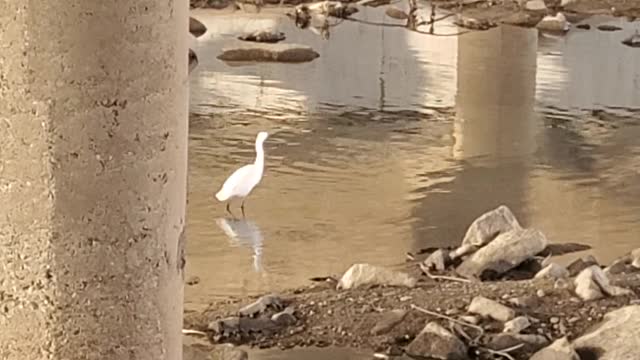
(365,274)
(489,225)
(504,253)
(616,337)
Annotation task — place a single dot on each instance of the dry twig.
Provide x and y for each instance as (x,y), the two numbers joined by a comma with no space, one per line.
(459,322)
(441,277)
(504,352)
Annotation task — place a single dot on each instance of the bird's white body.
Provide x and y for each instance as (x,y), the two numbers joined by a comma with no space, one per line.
(244,180)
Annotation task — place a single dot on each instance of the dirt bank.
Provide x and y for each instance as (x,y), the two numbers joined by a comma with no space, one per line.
(325,316)
(481,9)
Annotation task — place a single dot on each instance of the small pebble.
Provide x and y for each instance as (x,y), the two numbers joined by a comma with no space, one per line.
(405,298)
(540,293)
(563,328)
(474,320)
(554,320)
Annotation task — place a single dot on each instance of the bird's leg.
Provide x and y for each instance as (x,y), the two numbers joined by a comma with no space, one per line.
(229,211)
(242,208)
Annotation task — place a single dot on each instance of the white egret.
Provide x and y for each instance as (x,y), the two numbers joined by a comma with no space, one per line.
(242,181)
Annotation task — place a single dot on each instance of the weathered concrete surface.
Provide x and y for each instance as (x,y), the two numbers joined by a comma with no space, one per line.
(93,122)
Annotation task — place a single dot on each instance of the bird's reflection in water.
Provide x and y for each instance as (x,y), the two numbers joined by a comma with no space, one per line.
(244,232)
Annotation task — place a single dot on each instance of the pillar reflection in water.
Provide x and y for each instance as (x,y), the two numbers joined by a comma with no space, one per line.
(493,134)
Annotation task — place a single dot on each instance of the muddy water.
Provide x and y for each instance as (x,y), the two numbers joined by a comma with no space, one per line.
(393,141)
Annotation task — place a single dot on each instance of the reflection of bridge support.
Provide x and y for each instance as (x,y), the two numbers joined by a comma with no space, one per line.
(93,122)
(494,127)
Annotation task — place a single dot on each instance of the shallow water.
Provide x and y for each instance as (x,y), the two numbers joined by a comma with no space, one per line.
(393,141)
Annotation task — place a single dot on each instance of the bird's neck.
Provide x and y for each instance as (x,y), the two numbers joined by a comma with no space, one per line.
(259,155)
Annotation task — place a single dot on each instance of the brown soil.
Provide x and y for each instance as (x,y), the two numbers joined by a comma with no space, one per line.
(327,317)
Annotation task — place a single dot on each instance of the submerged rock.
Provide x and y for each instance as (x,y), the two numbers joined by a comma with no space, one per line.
(557,23)
(606,27)
(491,309)
(196,28)
(376,3)
(263,36)
(395,13)
(489,225)
(561,349)
(633,41)
(193,62)
(558,249)
(615,338)
(260,52)
(592,284)
(504,253)
(436,342)
(365,274)
(388,321)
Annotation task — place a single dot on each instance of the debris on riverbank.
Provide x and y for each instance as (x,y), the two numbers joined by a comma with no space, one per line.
(497,294)
(522,12)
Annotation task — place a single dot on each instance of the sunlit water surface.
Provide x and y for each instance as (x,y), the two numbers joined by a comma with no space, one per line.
(393,141)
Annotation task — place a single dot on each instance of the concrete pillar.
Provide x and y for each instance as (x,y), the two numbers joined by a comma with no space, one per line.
(93,156)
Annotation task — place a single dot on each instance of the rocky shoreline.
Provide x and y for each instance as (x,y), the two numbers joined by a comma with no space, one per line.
(498,295)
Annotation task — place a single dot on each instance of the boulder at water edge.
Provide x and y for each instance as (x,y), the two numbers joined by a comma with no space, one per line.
(504,253)
(489,225)
(592,284)
(365,274)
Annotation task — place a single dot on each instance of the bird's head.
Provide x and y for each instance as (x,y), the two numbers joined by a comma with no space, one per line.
(262,136)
